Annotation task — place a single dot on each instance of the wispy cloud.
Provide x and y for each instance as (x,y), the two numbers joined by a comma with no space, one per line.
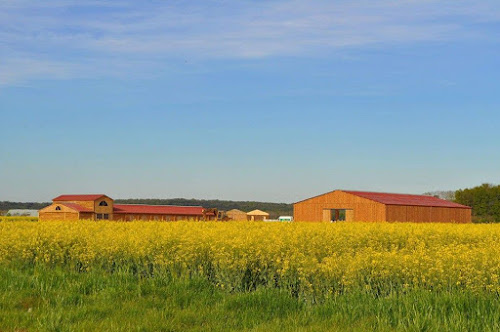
(17,70)
(65,39)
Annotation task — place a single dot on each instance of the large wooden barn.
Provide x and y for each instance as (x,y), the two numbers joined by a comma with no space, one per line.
(95,207)
(343,205)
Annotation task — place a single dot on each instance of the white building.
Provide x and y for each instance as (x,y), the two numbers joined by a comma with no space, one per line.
(23,212)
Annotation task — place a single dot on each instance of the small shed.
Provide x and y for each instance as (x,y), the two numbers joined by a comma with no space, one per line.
(344,205)
(236,214)
(257,215)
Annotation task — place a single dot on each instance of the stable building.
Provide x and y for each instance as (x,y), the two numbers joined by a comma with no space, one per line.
(236,214)
(257,215)
(344,205)
(97,207)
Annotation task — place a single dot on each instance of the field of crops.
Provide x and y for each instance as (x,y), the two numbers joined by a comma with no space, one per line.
(309,261)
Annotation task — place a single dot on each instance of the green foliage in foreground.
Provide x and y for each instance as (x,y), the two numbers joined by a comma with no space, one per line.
(42,299)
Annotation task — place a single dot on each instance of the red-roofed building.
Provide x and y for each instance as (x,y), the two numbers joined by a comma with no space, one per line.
(345,205)
(95,207)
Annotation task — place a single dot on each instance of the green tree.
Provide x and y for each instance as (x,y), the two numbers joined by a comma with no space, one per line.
(484,200)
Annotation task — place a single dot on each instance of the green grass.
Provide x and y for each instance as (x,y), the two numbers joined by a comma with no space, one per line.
(42,299)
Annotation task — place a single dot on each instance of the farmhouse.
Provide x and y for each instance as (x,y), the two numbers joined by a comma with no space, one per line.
(343,205)
(95,207)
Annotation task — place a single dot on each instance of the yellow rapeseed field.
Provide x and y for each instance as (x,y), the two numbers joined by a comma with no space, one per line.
(311,260)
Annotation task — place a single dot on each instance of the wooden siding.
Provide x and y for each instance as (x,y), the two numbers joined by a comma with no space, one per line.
(349,215)
(405,213)
(52,208)
(58,216)
(50,213)
(104,209)
(363,209)
(236,215)
(256,218)
(87,215)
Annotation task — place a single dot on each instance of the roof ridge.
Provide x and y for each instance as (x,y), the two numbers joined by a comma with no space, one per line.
(80,195)
(384,192)
(257,210)
(444,202)
(75,205)
(158,209)
(397,199)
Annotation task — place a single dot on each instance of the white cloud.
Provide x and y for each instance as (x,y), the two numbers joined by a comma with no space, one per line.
(56,39)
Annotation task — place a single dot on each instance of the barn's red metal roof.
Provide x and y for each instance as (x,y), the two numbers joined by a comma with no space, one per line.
(77,207)
(406,199)
(159,209)
(78,197)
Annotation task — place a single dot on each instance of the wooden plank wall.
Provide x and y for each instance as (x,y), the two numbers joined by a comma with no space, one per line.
(349,215)
(104,209)
(235,215)
(50,213)
(44,216)
(405,213)
(87,215)
(363,209)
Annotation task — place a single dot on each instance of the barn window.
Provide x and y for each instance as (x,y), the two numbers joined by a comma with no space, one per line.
(58,208)
(99,216)
(103,203)
(105,216)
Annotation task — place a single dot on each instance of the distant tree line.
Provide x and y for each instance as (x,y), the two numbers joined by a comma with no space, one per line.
(6,205)
(484,200)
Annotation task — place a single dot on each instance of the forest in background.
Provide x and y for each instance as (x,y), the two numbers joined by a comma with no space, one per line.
(484,200)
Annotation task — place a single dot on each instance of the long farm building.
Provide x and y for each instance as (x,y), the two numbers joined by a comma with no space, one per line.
(343,205)
(97,207)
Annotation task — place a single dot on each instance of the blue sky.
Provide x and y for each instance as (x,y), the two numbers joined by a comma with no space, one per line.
(247,100)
